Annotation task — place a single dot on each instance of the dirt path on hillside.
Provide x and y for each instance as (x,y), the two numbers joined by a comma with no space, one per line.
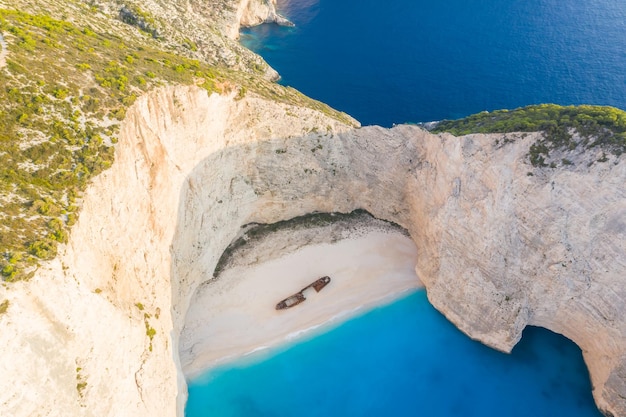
(4,52)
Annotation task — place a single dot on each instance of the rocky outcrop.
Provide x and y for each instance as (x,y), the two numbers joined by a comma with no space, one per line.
(255,12)
(501,244)
(207,30)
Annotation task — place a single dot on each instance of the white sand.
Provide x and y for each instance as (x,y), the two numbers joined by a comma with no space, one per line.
(236,315)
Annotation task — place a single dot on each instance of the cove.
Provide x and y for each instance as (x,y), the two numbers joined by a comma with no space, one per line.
(402,359)
(417,61)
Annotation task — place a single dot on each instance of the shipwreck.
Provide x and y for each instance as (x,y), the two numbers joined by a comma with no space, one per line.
(299,297)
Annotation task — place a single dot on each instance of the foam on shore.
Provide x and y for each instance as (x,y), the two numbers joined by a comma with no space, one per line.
(236,314)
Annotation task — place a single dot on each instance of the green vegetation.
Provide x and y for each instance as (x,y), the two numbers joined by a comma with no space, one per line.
(150,331)
(63,92)
(134,16)
(81,384)
(564,127)
(58,123)
(4,306)
(80,387)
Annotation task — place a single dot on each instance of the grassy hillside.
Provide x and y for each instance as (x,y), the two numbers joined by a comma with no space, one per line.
(65,89)
(564,127)
(63,92)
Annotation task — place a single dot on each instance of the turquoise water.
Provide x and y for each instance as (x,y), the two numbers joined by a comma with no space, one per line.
(422,60)
(404,359)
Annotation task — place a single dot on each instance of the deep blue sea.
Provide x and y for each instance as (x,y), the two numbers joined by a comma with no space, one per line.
(422,60)
(404,359)
(413,61)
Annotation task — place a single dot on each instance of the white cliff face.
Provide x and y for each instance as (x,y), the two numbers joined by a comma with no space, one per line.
(211,26)
(255,12)
(503,245)
(497,248)
(86,317)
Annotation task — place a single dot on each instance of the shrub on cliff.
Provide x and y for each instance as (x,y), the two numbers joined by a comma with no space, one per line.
(59,117)
(58,122)
(563,127)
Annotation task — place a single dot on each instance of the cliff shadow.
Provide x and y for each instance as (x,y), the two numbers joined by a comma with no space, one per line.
(273,181)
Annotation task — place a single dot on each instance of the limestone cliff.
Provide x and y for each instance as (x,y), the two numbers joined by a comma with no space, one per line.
(208,30)
(498,248)
(93,332)
(255,12)
(502,244)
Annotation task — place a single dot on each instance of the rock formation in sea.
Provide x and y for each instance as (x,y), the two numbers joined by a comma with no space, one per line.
(502,244)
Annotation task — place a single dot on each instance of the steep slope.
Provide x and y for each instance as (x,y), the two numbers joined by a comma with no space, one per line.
(207,30)
(498,248)
(92,332)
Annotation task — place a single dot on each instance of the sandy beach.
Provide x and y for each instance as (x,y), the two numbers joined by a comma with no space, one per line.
(236,314)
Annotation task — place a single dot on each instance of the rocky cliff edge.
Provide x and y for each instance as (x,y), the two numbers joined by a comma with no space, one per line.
(501,244)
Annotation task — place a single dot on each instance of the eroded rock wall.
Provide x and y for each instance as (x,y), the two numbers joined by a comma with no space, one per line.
(501,244)
(209,29)
(91,334)
(255,12)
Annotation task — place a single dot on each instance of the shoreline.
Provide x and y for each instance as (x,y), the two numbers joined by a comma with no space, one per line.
(264,352)
(234,318)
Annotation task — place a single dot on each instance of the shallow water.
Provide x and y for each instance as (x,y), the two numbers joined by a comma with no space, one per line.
(423,60)
(403,359)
